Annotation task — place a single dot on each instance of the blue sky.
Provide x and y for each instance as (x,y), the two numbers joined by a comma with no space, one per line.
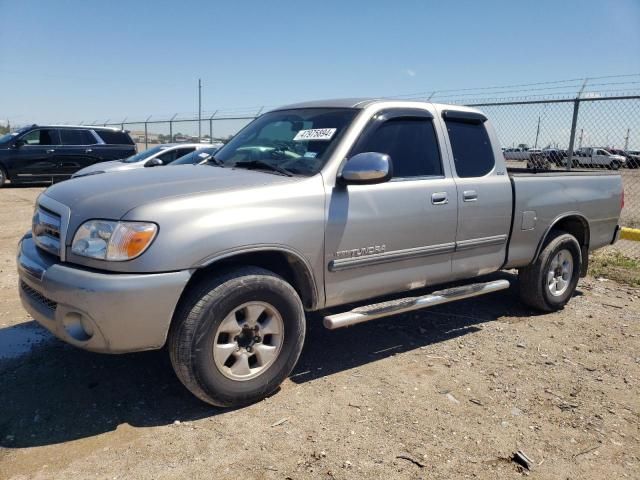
(69,60)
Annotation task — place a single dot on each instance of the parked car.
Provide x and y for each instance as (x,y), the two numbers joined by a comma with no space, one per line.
(521,153)
(634,162)
(153,157)
(197,157)
(631,160)
(555,155)
(315,206)
(50,153)
(598,157)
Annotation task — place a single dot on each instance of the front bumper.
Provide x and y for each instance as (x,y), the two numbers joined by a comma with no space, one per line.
(98,311)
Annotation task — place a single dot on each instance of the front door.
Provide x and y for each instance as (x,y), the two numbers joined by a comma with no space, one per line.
(397,235)
(35,157)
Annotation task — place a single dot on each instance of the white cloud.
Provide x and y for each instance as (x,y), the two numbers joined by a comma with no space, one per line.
(410,72)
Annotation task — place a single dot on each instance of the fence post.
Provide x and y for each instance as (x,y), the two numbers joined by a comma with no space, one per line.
(171,128)
(122,123)
(211,126)
(146,133)
(574,124)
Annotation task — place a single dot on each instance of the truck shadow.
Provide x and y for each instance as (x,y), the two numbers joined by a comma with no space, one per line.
(58,393)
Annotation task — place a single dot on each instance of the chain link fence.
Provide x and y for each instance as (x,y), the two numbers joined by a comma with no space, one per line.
(574,124)
(597,133)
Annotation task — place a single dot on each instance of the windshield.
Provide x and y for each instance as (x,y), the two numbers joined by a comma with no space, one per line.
(197,156)
(298,141)
(10,136)
(144,155)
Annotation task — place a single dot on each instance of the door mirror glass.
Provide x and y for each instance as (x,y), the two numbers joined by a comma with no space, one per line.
(18,143)
(154,162)
(367,168)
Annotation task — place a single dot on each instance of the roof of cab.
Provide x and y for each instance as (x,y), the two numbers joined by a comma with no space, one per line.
(333,103)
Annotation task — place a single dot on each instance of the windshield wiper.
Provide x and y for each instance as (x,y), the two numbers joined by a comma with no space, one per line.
(262,164)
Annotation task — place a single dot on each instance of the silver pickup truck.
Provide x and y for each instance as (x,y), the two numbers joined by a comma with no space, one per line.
(310,207)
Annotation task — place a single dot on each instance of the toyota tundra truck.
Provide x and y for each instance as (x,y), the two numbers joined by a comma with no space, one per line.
(326,206)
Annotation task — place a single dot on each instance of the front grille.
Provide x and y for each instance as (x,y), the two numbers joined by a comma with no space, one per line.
(38,297)
(46,230)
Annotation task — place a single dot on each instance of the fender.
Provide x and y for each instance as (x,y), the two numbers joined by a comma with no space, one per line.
(584,246)
(304,265)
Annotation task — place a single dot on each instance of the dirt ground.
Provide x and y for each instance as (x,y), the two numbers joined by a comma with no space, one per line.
(446,393)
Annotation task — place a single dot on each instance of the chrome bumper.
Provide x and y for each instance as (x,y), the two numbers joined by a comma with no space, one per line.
(97,311)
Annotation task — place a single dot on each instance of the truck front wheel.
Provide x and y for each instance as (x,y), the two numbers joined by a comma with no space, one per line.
(236,337)
(550,281)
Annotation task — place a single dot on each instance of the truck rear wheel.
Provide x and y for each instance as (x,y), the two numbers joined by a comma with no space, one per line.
(3,177)
(236,337)
(550,281)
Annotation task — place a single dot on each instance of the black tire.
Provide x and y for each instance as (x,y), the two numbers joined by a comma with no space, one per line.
(3,177)
(533,282)
(195,328)
(614,165)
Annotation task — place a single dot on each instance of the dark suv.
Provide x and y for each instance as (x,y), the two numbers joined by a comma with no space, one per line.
(52,153)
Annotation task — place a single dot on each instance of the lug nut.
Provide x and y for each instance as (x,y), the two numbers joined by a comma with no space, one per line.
(256,338)
(249,349)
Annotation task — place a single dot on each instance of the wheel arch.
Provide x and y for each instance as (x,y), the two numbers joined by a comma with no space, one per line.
(283,261)
(577,225)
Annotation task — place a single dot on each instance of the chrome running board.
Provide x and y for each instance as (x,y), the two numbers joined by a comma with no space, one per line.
(402,305)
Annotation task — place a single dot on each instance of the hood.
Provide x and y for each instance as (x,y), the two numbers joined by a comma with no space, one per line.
(113,165)
(111,195)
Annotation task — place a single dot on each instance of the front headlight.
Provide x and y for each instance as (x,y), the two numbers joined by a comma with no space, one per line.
(113,241)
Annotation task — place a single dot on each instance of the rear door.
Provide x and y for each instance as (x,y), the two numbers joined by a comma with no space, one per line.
(398,235)
(79,149)
(116,144)
(35,158)
(484,194)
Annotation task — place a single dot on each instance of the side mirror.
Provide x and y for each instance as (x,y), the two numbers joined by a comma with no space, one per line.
(367,168)
(154,162)
(18,143)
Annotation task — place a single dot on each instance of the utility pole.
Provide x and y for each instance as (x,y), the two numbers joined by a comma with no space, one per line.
(199,109)
(535,145)
(626,140)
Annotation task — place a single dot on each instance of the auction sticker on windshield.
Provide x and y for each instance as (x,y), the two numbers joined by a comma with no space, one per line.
(314,134)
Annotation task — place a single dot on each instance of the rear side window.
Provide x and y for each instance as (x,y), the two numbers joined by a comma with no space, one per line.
(412,145)
(472,151)
(77,137)
(114,137)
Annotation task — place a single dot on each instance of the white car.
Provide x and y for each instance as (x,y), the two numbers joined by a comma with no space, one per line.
(153,157)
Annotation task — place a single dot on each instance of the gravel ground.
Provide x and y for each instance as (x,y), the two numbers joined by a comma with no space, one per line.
(450,392)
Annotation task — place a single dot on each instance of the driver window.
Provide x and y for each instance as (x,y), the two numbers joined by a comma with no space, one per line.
(167,157)
(41,137)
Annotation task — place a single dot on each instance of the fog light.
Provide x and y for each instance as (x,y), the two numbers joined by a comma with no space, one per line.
(78,326)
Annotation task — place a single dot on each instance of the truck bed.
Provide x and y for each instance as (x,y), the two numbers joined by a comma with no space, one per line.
(542,198)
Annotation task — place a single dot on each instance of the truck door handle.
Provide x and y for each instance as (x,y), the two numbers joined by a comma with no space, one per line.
(50,150)
(88,150)
(439,198)
(469,195)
